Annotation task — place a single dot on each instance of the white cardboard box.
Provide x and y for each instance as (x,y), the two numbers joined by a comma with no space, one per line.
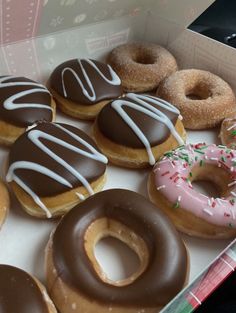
(91,28)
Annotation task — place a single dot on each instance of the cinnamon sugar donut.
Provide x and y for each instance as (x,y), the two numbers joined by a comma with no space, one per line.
(76,281)
(228,132)
(203,98)
(142,66)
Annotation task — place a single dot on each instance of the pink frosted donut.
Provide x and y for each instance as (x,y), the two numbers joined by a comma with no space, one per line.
(171,189)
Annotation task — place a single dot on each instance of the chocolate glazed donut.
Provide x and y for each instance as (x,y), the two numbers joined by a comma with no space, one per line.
(54,166)
(135,130)
(20,292)
(82,87)
(74,275)
(23,102)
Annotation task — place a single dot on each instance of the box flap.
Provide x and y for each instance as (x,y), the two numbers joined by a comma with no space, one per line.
(182,12)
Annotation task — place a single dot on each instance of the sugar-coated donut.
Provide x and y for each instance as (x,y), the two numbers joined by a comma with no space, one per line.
(20,292)
(203,98)
(52,167)
(141,66)
(135,130)
(4,202)
(228,132)
(75,279)
(24,102)
(81,87)
(170,188)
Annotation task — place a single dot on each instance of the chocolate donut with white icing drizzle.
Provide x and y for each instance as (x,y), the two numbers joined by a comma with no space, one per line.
(54,166)
(136,129)
(23,103)
(20,292)
(82,87)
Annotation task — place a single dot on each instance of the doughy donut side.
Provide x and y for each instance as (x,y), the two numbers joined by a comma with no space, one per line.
(68,300)
(142,67)
(203,98)
(185,221)
(49,303)
(228,132)
(4,203)
(78,110)
(59,204)
(9,132)
(135,158)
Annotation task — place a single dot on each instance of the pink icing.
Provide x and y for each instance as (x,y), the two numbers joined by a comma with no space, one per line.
(172,175)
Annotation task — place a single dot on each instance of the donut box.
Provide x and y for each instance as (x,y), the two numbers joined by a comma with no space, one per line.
(38,35)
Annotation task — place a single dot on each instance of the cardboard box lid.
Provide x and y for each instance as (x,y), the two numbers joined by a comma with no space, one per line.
(22,20)
(182,12)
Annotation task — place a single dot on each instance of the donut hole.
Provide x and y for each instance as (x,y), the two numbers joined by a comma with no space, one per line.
(129,247)
(211,180)
(116,259)
(144,59)
(199,92)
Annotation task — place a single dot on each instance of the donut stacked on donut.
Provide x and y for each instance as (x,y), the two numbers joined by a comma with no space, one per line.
(4,202)
(141,66)
(203,98)
(20,292)
(135,130)
(77,282)
(228,132)
(170,188)
(81,87)
(52,167)
(23,103)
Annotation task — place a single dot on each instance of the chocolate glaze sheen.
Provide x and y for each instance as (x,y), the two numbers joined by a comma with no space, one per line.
(103,89)
(19,293)
(24,117)
(25,150)
(166,272)
(113,127)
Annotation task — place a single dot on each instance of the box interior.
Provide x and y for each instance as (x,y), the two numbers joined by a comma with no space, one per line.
(67,29)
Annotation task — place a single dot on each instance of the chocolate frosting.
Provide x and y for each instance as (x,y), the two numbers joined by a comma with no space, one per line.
(23,117)
(19,292)
(25,149)
(166,272)
(114,127)
(69,73)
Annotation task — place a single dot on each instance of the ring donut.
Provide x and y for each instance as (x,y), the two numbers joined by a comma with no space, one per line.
(4,202)
(203,98)
(141,67)
(74,276)
(170,188)
(20,292)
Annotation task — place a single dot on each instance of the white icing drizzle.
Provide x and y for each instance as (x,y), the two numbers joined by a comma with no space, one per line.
(91,94)
(9,103)
(144,107)
(35,135)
